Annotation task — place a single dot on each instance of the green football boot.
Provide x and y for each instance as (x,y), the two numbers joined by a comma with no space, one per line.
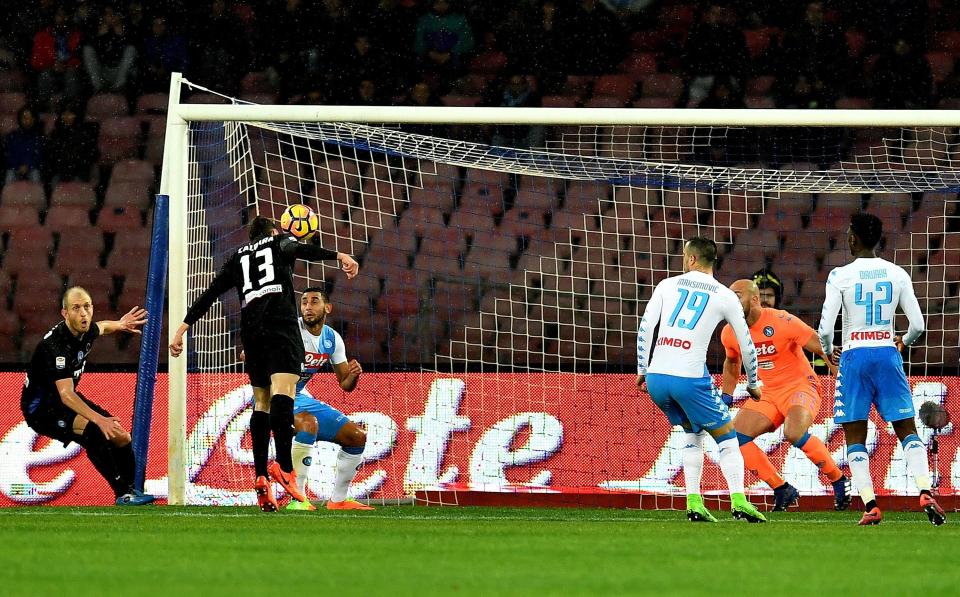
(742,509)
(696,511)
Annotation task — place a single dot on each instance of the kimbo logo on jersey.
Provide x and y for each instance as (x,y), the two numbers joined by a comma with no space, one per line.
(674,342)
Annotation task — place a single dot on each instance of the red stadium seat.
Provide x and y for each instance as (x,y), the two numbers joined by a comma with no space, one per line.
(941,65)
(662,85)
(119,139)
(12,101)
(68,217)
(112,219)
(441,198)
(605,101)
(621,87)
(756,102)
(73,194)
(853,103)
(106,105)
(947,41)
(560,101)
(460,101)
(417,220)
(758,40)
(23,193)
(12,80)
(489,62)
(153,103)
(134,194)
(639,64)
(760,85)
(132,171)
(12,217)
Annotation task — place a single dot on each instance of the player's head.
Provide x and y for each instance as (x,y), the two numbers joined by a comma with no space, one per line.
(749,295)
(699,253)
(314,306)
(260,227)
(864,232)
(77,309)
(770,287)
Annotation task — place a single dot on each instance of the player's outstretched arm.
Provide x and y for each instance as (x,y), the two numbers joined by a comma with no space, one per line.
(314,252)
(176,343)
(131,322)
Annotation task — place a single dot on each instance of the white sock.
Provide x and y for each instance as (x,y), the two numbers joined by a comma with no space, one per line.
(915,454)
(347,465)
(731,464)
(692,455)
(302,458)
(859,462)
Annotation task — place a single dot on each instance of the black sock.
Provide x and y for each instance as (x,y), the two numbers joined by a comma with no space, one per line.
(98,451)
(126,462)
(281,423)
(260,438)
(870,505)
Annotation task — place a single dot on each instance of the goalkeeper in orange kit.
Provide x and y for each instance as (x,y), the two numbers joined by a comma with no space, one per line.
(791,394)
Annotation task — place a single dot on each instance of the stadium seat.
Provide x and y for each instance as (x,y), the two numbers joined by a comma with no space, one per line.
(577,85)
(119,139)
(654,102)
(336,180)
(418,220)
(521,221)
(132,171)
(153,103)
(12,101)
(132,194)
(639,64)
(560,101)
(853,103)
(114,218)
(23,193)
(620,86)
(437,176)
(941,65)
(460,101)
(37,295)
(757,102)
(605,101)
(662,85)
(12,80)
(759,85)
(103,106)
(443,241)
(442,198)
(648,40)
(483,191)
(14,217)
(759,40)
(73,194)
(947,41)
(489,62)
(469,221)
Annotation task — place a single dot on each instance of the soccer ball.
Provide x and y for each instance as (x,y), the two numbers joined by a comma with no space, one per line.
(300,221)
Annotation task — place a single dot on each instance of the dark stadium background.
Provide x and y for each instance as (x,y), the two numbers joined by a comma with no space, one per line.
(77,191)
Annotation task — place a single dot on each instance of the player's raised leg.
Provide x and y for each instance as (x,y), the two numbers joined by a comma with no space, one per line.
(795,430)
(915,455)
(756,418)
(283,386)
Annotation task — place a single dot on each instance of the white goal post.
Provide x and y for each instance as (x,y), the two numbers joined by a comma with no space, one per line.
(176,166)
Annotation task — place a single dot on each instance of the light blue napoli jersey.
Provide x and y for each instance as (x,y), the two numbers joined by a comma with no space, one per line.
(868,291)
(326,348)
(686,310)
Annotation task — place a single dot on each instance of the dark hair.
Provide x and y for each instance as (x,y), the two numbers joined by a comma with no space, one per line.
(260,227)
(704,248)
(868,228)
(765,278)
(318,290)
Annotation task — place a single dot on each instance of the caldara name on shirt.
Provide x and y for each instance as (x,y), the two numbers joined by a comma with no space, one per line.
(255,294)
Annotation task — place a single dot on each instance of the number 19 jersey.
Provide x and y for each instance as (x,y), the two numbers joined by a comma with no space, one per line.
(688,309)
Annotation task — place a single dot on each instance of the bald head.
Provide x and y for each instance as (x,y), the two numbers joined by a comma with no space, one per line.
(749,295)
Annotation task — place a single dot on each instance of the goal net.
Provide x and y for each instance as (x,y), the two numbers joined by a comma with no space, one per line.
(500,289)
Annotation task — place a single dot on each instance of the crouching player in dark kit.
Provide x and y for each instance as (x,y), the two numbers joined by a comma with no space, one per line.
(52,405)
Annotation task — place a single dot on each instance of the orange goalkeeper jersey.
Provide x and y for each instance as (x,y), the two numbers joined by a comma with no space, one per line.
(779,338)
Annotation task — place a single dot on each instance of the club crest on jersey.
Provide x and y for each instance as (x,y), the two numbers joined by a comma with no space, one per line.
(768,331)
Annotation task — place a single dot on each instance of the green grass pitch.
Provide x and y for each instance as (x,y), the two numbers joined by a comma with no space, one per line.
(468,551)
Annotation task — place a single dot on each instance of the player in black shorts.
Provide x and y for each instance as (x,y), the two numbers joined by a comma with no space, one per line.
(52,405)
(262,273)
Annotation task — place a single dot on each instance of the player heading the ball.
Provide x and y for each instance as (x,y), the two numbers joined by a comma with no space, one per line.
(868,291)
(687,308)
(261,271)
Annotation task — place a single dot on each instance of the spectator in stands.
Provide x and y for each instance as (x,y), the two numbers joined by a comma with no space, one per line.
(515,91)
(109,57)
(137,24)
(366,93)
(163,53)
(23,148)
(422,94)
(813,62)
(595,37)
(726,92)
(71,148)
(544,49)
(294,58)
(217,52)
(364,61)
(715,48)
(56,59)
(902,78)
(443,39)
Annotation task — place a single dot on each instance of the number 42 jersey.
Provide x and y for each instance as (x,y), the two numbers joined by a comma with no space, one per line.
(688,309)
(869,290)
